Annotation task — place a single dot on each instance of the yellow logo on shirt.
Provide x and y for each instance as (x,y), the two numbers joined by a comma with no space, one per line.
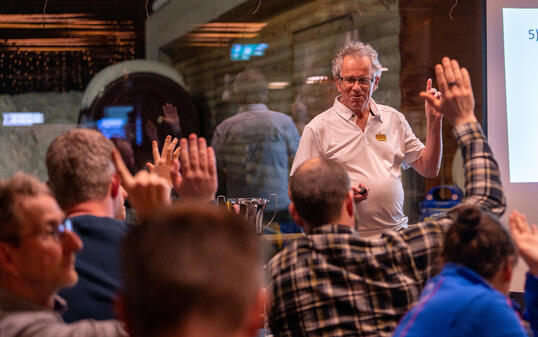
(381,137)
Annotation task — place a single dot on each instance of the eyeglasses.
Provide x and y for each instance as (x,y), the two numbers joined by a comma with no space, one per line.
(363,81)
(56,233)
(59,232)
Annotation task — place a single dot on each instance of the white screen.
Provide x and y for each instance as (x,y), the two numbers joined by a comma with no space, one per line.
(520,26)
(512,115)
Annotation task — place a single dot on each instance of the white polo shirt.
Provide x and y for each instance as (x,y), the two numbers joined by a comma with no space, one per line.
(373,157)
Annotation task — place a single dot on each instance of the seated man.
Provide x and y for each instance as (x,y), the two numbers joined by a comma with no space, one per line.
(87,188)
(335,282)
(192,270)
(37,258)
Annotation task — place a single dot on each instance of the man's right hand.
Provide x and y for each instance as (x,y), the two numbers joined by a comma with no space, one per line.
(197,178)
(146,191)
(360,192)
(457,100)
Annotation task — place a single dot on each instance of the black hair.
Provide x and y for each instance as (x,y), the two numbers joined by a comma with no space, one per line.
(477,240)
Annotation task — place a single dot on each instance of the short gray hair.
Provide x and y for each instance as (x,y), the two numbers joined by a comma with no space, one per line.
(80,167)
(250,87)
(356,49)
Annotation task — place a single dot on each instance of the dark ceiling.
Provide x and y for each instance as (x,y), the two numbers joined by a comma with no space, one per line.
(59,45)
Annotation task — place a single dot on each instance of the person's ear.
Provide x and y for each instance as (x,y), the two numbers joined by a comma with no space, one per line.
(349,202)
(255,316)
(7,262)
(376,83)
(507,270)
(115,185)
(338,85)
(295,215)
(120,309)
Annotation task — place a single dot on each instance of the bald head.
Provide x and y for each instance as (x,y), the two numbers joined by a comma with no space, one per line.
(318,190)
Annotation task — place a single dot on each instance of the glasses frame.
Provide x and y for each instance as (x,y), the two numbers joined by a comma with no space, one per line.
(364,82)
(57,234)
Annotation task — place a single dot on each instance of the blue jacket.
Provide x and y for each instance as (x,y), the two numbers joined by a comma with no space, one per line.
(531,302)
(459,302)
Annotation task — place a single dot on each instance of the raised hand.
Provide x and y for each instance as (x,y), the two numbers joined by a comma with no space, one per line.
(163,162)
(146,191)
(198,175)
(431,113)
(171,117)
(526,239)
(457,100)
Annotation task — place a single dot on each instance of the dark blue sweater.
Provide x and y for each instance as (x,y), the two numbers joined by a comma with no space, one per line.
(98,267)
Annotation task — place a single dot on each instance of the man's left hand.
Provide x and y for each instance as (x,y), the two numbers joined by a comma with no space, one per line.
(431,113)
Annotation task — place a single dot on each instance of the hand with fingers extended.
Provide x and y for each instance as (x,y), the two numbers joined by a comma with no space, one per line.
(197,179)
(164,162)
(457,100)
(526,239)
(146,191)
(431,113)
(171,117)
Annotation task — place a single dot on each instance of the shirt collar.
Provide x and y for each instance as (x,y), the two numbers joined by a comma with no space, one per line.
(250,107)
(468,273)
(346,113)
(332,229)
(11,302)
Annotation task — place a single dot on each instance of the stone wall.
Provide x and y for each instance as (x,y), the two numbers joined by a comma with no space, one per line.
(302,41)
(24,148)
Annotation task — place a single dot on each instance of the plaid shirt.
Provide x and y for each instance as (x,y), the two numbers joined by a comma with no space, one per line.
(333,282)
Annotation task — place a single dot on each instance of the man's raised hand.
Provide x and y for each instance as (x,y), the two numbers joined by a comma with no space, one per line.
(146,191)
(197,178)
(457,100)
(163,162)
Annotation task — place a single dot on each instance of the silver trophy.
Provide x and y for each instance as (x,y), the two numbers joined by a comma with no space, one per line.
(251,208)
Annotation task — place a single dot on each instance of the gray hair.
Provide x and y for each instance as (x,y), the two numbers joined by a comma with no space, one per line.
(356,49)
(250,87)
(80,167)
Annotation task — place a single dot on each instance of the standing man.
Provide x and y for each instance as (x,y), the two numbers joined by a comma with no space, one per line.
(336,282)
(370,140)
(255,148)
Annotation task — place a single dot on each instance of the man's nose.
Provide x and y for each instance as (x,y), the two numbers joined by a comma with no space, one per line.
(72,241)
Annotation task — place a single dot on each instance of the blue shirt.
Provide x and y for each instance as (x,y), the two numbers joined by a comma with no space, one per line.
(459,302)
(255,150)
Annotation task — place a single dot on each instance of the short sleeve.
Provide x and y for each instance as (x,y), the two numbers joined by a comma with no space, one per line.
(307,149)
(412,146)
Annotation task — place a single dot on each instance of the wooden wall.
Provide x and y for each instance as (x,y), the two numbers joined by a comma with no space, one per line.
(427,33)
